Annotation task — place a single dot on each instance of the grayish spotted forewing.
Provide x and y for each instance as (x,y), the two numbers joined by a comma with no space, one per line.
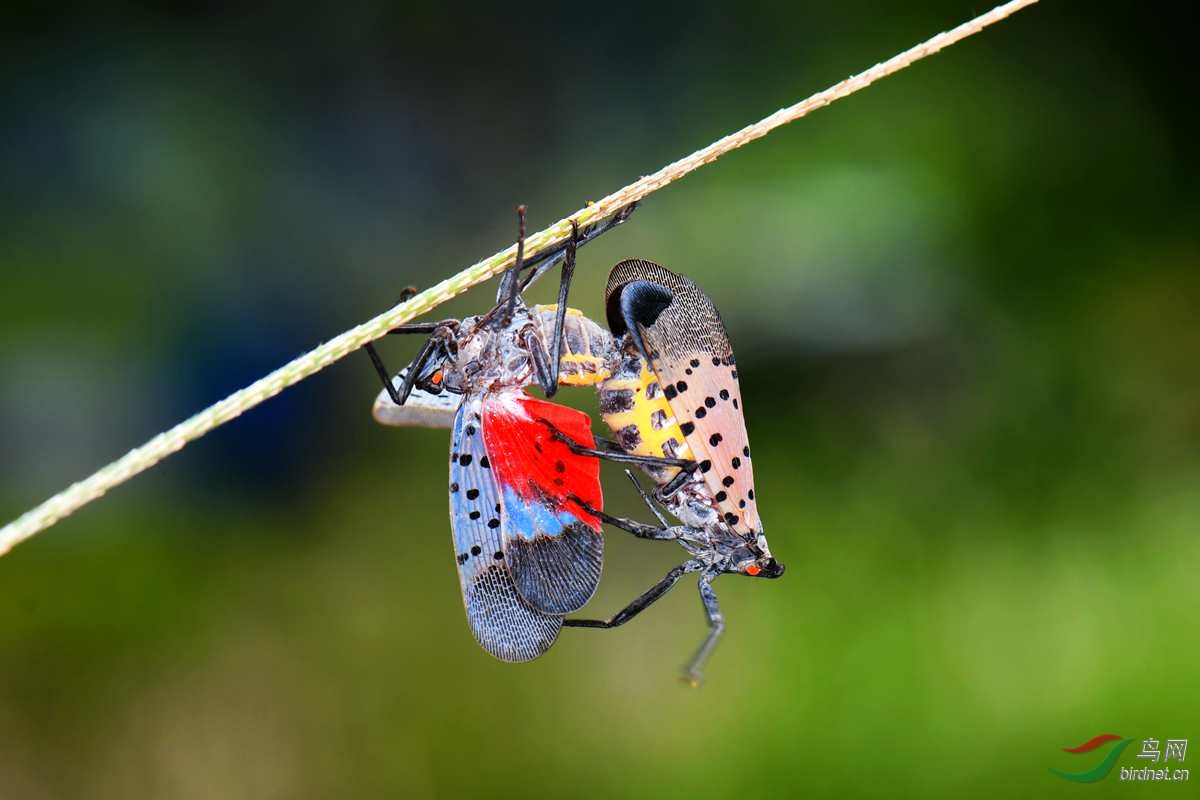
(503,624)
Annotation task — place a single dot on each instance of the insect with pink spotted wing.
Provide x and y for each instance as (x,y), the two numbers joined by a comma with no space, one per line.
(672,392)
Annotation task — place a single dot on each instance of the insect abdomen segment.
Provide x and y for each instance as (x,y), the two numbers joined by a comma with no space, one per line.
(633,407)
(586,347)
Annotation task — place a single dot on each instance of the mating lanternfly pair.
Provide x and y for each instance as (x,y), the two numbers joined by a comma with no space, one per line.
(669,333)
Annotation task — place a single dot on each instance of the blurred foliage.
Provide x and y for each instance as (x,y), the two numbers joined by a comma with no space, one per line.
(964,305)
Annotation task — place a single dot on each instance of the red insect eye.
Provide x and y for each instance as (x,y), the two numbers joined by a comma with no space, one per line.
(436,378)
(753,569)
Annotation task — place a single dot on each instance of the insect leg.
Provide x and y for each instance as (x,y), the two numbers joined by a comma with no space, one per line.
(547,259)
(383,373)
(439,330)
(616,453)
(627,458)
(646,498)
(672,486)
(512,278)
(638,529)
(418,364)
(716,624)
(445,327)
(560,315)
(546,375)
(407,293)
(415,327)
(643,601)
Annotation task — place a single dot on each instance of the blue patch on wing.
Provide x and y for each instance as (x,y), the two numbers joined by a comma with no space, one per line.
(518,518)
(529,520)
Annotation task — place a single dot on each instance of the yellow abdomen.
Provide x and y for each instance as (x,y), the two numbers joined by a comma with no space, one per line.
(633,407)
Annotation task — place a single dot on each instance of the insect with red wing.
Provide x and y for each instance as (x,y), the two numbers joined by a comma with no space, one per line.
(668,331)
(527,551)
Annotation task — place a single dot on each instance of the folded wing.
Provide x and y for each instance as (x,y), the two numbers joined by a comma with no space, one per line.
(501,621)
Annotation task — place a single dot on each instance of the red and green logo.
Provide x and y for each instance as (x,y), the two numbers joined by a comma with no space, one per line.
(1100,770)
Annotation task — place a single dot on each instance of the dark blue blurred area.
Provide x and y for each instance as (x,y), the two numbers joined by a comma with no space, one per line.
(285,448)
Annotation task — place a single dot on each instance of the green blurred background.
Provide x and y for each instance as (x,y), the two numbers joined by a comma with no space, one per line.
(964,304)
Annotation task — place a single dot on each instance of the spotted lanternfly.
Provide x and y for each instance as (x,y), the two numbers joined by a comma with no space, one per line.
(669,392)
(669,341)
(523,505)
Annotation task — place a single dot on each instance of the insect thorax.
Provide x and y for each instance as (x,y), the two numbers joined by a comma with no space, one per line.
(491,358)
